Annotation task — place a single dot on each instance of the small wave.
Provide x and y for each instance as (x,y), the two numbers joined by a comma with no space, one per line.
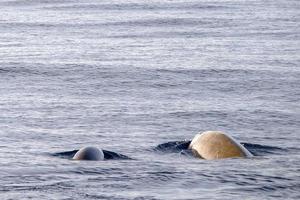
(15,69)
(137,6)
(173,146)
(4,70)
(261,150)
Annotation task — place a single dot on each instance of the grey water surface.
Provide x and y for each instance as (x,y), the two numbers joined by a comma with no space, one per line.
(129,75)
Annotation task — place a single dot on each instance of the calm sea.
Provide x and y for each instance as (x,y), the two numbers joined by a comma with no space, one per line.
(129,75)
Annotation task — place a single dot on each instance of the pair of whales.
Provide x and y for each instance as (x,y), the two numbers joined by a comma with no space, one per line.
(208,145)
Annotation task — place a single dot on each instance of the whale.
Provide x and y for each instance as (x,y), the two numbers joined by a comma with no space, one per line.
(89,153)
(211,145)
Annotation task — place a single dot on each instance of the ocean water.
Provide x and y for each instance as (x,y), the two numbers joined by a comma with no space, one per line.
(127,76)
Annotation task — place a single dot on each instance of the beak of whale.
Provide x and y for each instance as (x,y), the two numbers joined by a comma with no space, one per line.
(89,153)
(212,145)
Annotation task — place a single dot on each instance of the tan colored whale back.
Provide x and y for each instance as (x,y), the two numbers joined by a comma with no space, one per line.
(216,145)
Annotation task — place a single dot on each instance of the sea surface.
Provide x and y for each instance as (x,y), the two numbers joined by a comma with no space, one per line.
(127,76)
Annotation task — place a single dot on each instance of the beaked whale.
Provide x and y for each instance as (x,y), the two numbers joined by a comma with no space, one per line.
(212,145)
(89,153)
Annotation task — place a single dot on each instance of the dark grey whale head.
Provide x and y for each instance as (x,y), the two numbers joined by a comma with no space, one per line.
(89,153)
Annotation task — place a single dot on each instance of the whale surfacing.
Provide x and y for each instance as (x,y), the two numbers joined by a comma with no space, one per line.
(212,145)
(89,153)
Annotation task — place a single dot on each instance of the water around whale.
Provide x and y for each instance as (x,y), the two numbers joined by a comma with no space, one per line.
(182,147)
(108,155)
